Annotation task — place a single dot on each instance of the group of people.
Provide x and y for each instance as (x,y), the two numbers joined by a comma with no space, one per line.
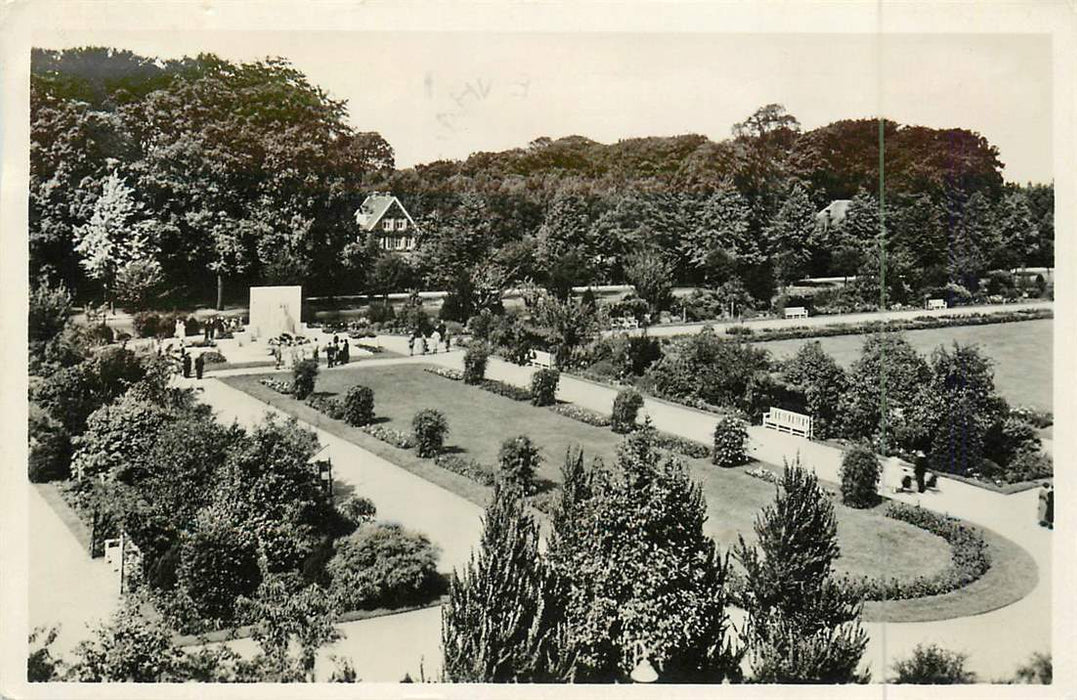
(437,337)
(216,327)
(1045,510)
(185,363)
(337,353)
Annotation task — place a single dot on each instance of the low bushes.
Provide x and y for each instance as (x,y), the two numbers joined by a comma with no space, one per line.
(626,408)
(475,363)
(146,324)
(969,559)
(395,438)
(429,429)
(730,436)
(583,415)
(510,391)
(359,405)
(764,475)
(683,446)
(358,510)
(213,357)
(544,387)
(329,405)
(466,467)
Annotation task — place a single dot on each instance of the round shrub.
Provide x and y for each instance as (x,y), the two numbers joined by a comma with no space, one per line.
(860,472)
(517,462)
(625,409)
(50,448)
(359,405)
(358,510)
(544,387)
(218,563)
(730,436)
(100,334)
(384,565)
(933,665)
(475,363)
(146,324)
(304,375)
(429,428)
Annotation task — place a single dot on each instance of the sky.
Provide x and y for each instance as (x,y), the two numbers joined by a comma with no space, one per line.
(449,94)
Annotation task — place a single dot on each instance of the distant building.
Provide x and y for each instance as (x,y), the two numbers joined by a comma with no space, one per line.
(833,214)
(383,216)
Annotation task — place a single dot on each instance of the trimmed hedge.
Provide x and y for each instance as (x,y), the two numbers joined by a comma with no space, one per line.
(395,438)
(583,415)
(510,391)
(466,467)
(429,429)
(969,559)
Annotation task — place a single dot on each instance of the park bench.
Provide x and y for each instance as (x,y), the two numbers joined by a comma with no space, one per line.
(788,422)
(933,304)
(543,359)
(796,312)
(625,323)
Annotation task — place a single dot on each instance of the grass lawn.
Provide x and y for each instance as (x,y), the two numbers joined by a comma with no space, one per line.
(479,421)
(1022,352)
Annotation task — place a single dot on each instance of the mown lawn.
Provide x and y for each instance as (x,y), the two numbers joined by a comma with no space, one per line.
(480,421)
(1022,353)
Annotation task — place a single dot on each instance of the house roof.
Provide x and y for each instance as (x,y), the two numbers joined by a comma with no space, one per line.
(834,212)
(374,207)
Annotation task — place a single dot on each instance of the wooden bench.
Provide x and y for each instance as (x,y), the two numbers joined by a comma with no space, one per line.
(625,323)
(796,312)
(788,422)
(542,359)
(933,304)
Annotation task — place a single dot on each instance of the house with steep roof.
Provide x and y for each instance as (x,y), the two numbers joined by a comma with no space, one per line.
(383,216)
(833,214)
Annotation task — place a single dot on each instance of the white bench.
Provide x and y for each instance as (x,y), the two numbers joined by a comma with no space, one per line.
(788,422)
(796,312)
(542,359)
(625,323)
(933,304)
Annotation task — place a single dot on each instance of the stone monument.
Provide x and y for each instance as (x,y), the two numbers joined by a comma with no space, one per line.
(275,310)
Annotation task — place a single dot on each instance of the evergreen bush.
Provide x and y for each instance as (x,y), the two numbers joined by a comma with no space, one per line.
(860,472)
(626,408)
(475,363)
(730,436)
(359,405)
(517,462)
(544,387)
(429,429)
(304,376)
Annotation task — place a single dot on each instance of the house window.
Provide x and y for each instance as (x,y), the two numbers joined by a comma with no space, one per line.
(387,225)
(401,224)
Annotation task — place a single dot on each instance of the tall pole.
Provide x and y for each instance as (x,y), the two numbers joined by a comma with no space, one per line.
(220,291)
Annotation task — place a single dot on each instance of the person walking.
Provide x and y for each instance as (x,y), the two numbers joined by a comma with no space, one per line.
(199,365)
(411,345)
(330,354)
(920,470)
(436,340)
(1041,506)
(345,353)
(186,360)
(1050,514)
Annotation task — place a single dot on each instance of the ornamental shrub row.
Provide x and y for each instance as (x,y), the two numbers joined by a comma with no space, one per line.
(683,446)
(329,405)
(583,415)
(969,559)
(395,438)
(466,467)
(500,388)
(276,385)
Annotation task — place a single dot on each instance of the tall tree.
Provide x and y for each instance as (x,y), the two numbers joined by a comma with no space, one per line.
(803,625)
(503,623)
(644,581)
(969,238)
(789,234)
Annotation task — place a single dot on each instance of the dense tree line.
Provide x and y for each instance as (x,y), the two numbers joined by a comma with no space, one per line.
(152,179)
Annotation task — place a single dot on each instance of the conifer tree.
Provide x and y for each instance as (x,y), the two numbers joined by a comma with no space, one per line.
(503,622)
(803,625)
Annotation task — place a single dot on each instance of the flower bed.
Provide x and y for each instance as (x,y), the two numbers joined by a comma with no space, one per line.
(393,437)
(683,446)
(969,559)
(510,391)
(583,415)
(466,467)
(212,357)
(277,385)
(329,405)
(764,474)
(453,374)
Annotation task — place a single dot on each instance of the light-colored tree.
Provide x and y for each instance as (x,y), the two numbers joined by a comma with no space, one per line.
(116,235)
